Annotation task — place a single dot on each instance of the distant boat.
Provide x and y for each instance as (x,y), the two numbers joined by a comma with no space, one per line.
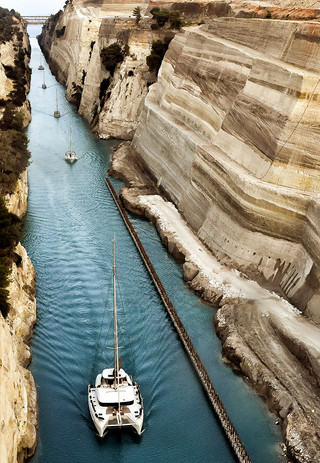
(44,81)
(70,155)
(115,401)
(41,68)
(57,112)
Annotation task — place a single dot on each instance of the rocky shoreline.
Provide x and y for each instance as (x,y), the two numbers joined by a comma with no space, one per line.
(261,333)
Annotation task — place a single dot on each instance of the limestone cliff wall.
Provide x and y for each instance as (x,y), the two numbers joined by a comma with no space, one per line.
(18,407)
(231,131)
(111,104)
(18,396)
(9,53)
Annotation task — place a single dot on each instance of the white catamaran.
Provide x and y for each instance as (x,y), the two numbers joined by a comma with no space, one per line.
(115,400)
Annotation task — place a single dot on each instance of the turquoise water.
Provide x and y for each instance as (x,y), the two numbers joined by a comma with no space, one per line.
(68,234)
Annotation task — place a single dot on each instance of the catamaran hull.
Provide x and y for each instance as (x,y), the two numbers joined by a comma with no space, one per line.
(104,422)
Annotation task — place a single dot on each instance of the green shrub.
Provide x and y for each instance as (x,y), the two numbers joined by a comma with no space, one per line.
(76,93)
(162,16)
(10,229)
(14,154)
(60,32)
(137,13)
(7,24)
(10,226)
(175,20)
(158,51)
(111,56)
(103,88)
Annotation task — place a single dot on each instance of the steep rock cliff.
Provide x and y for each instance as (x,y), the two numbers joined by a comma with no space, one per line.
(18,407)
(18,397)
(111,104)
(13,53)
(231,130)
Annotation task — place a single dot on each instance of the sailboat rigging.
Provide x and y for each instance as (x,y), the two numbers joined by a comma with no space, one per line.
(115,400)
(70,155)
(57,112)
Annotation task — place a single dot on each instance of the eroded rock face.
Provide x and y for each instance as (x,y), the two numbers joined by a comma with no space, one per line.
(17,202)
(9,53)
(230,128)
(18,397)
(111,103)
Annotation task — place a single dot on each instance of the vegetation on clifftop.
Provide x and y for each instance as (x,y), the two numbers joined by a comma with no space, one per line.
(8,24)
(14,154)
(111,56)
(162,16)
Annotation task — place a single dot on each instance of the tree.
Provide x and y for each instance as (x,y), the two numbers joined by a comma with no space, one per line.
(111,56)
(137,13)
(175,20)
(10,228)
(162,16)
(158,50)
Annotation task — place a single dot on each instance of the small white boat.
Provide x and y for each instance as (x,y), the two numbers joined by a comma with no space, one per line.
(70,155)
(115,401)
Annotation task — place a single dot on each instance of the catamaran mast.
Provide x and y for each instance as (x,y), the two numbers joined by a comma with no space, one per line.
(70,135)
(57,109)
(115,332)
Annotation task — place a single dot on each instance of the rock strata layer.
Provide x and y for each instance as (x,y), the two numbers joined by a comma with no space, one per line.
(110,102)
(230,131)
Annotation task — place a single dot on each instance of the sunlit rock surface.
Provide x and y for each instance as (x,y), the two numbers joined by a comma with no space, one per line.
(231,129)
(111,104)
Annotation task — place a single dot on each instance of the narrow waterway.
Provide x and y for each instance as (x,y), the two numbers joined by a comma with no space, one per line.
(68,234)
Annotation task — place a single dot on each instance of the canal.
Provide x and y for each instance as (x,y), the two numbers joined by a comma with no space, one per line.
(68,234)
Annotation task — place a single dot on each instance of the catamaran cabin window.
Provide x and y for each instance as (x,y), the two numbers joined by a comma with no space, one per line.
(115,404)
